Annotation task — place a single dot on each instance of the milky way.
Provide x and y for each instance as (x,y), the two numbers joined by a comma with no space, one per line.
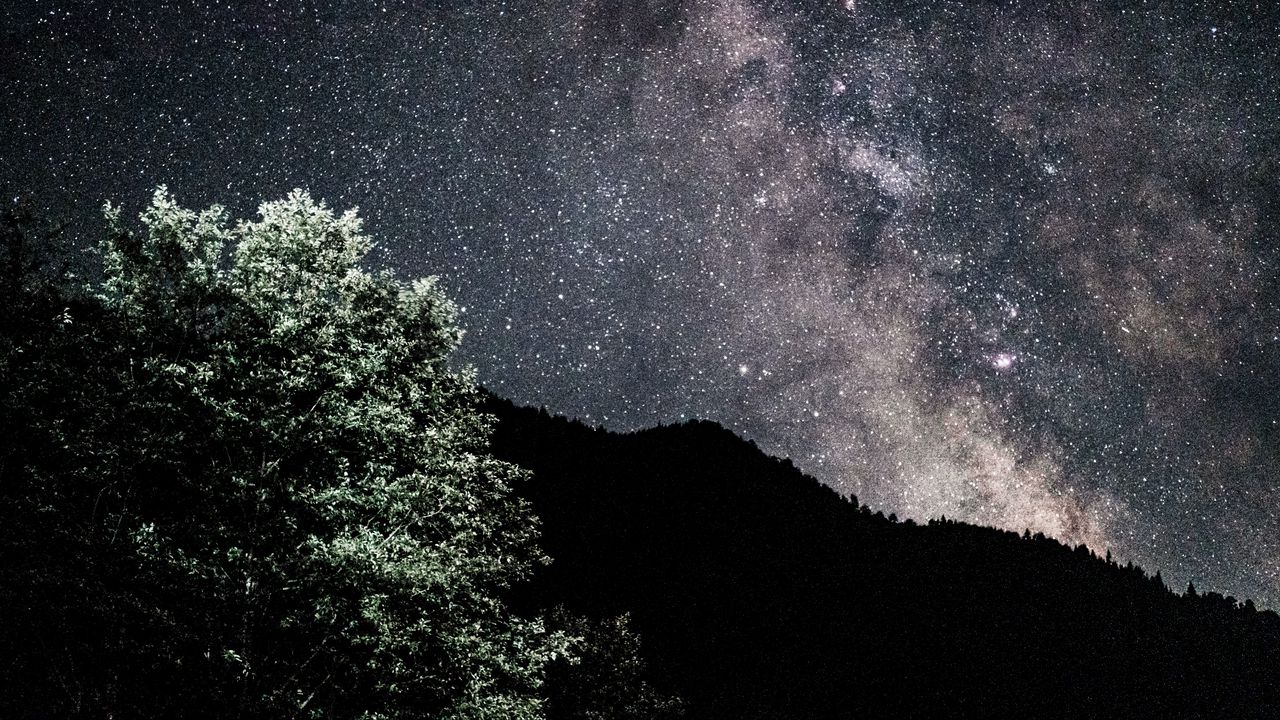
(1012,263)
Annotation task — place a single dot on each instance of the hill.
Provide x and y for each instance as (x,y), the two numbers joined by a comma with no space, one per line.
(760,593)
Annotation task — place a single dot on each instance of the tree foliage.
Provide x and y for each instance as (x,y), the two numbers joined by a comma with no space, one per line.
(239,469)
(606,677)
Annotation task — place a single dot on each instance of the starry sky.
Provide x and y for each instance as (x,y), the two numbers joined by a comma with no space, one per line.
(1014,263)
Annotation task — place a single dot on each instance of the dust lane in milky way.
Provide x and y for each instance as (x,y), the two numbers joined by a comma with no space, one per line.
(1007,262)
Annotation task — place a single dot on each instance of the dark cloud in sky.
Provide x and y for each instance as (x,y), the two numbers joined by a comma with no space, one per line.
(1015,263)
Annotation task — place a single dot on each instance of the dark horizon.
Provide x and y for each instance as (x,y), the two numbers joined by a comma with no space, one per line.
(758,592)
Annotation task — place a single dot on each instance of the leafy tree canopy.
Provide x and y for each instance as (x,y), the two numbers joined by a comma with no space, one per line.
(240,471)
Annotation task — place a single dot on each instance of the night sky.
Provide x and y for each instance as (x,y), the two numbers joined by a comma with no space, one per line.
(1014,263)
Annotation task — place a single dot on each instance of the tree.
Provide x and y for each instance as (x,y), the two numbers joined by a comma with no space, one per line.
(252,478)
(605,677)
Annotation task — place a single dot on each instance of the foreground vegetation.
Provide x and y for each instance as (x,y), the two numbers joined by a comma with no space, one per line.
(238,479)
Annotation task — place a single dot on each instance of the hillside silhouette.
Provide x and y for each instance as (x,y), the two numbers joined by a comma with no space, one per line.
(760,593)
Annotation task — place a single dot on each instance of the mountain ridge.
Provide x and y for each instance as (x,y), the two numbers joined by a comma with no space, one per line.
(760,592)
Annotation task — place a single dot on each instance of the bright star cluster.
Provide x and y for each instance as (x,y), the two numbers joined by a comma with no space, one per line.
(1014,263)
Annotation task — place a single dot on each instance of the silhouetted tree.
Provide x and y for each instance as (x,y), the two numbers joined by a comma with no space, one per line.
(606,677)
